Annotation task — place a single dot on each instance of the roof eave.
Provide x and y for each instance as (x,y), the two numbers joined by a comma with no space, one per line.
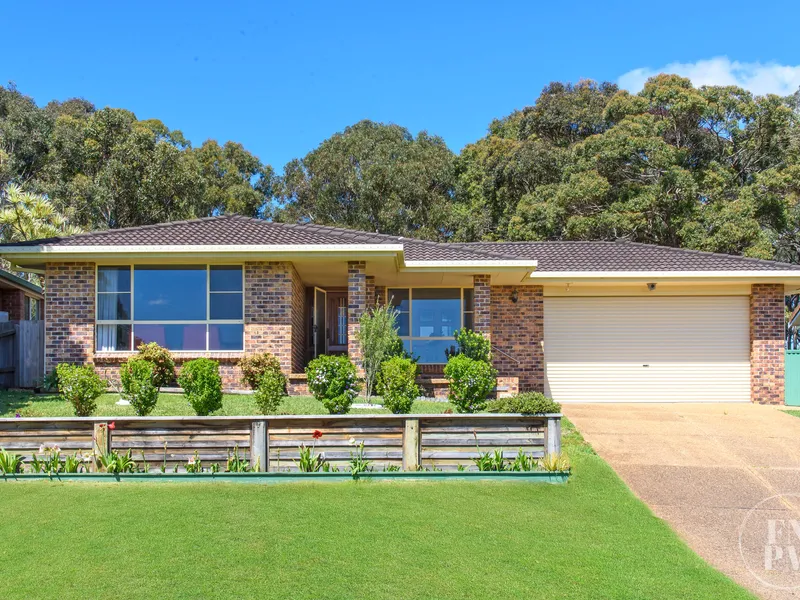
(647,276)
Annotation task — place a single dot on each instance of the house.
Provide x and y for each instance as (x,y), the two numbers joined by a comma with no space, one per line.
(20,299)
(582,321)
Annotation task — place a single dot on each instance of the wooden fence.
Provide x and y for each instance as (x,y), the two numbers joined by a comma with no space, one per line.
(405,441)
(21,353)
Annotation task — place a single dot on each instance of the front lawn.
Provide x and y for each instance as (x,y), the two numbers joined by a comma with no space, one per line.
(31,405)
(590,538)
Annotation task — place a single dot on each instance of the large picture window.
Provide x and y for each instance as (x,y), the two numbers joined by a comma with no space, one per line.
(190,308)
(428,319)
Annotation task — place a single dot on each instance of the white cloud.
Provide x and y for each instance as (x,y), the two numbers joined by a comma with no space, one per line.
(759,78)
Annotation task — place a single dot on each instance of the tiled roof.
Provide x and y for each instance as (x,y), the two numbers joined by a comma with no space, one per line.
(626,256)
(550,256)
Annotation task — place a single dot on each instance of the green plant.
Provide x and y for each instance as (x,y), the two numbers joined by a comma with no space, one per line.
(334,382)
(254,366)
(114,462)
(202,385)
(358,464)
(145,464)
(49,381)
(10,463)
(474,345)
(237,463)
(309,462)
(80,386)
(398,384)
(471,381)
(377,335)
(527,403)
(555,462)
(490,461)
(138,377)
(523,462)
(391,468)
(194,464)
(163,364)
(164,462)
(77,462)
(270,392)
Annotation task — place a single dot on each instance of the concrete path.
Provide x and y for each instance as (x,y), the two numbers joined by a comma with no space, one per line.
(702,468)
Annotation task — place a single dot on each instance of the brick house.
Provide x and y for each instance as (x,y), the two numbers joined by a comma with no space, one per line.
(20,299)
(581,321)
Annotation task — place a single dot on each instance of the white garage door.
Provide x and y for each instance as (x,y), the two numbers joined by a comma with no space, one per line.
(663,349)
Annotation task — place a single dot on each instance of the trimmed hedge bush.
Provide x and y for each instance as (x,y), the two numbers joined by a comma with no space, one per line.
(471,381)
(163,365)
(398,384)
(474,345)
(270,391)
(202,385)
(526,403)
(334,381)
(254,366)
(138,377)
(80,386)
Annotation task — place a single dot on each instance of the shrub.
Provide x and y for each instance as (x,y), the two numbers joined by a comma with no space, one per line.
(527,403)
(163,365)
(138,378)
(80,386)
(10,463)
(270,391)
(254,366)
(474,345)
(202,385)
(377,335)
(334,382)
(471,381)
(555,462)
(398,384)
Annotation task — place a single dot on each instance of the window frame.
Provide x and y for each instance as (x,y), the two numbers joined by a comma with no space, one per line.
(208,321)
(410,338)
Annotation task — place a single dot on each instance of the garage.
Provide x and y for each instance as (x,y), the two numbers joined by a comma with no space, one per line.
(647,349)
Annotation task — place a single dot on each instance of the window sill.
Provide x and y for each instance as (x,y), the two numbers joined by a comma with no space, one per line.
(121,357)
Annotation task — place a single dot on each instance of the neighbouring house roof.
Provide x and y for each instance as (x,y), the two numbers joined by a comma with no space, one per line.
(558,257)
(13,282)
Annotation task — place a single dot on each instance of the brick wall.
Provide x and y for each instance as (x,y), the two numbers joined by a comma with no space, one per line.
(356,304)
(767,343)
(380,295)
(517,329)
(370,283)
(483,299)
(69,306)
(13,302)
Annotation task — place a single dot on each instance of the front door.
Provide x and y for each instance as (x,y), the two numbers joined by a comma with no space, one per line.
(337,322)
(320,322)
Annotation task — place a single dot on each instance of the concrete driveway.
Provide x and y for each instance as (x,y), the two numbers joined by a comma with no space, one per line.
(702,468)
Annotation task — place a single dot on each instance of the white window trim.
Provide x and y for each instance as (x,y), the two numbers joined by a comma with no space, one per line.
(133,322)
(409,338)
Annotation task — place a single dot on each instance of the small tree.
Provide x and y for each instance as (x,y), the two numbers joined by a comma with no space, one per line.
(202,385)
(254,366)
(270,391)
(398,384)
(377,335)
(138,378)
(334,382)
(80,386)
(471,381)
(161,359)
(474,345)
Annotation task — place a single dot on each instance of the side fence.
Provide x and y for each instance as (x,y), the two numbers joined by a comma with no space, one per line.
(21,353)
(405,441)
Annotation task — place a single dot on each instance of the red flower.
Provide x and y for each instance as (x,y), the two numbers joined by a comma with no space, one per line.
(112,425)
(317,434)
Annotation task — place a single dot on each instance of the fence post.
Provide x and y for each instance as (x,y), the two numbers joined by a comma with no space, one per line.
(554,435)
(101,442)
(411,445)
(259,446)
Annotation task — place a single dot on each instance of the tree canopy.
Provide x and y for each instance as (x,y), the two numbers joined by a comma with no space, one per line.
(711,168)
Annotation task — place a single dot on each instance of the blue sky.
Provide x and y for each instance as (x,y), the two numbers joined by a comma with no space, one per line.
(280,78)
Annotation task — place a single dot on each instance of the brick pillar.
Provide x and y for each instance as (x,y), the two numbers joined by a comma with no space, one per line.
(69,306)
(356,304)
(370,291)
(483,301)
(268,304)
(518,331)
(380,295)
(13,302)
(767,330)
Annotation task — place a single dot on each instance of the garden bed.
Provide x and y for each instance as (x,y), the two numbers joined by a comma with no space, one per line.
(266,478)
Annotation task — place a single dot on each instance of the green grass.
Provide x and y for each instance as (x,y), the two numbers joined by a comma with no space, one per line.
(31,405)
(590,538)
(794,413)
